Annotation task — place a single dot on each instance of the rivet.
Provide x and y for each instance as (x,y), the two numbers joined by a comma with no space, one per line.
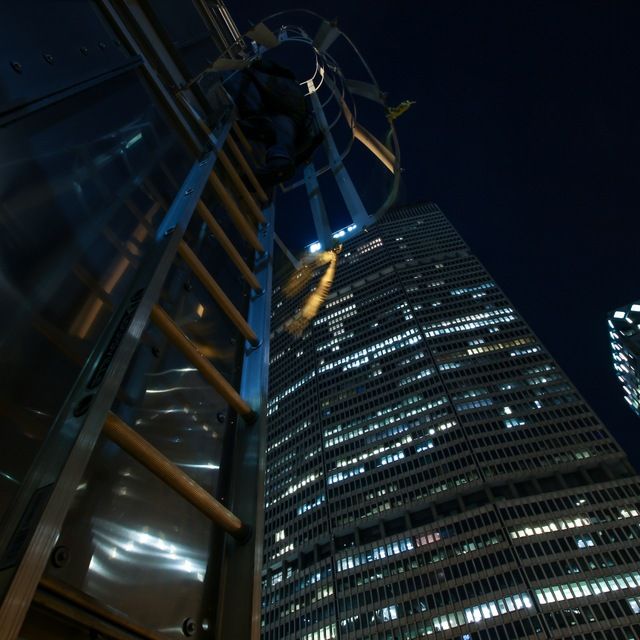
(102,45)
(60,556)
(84,51)
(48,58)
(189,627)
(16,66)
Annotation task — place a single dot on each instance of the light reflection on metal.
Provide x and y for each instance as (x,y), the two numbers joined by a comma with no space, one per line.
(140,449)
(198,358)
(89,313)
(116,544)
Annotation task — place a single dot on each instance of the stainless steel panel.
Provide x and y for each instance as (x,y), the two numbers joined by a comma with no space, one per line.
(78,212)
(133,543)
(46,50)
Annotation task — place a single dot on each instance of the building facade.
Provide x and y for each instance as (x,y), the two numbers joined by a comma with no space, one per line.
(624,332)
(431,472)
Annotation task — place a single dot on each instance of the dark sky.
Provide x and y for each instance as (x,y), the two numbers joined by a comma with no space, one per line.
(526,132)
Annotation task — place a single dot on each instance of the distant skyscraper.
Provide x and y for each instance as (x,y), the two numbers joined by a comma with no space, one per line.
(624,331)
(430,469)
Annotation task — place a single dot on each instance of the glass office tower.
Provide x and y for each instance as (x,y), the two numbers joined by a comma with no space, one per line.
(624,333)
(430,469)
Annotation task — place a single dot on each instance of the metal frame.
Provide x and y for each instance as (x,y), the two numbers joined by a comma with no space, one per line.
(238,606)
(318,210)
(349,193)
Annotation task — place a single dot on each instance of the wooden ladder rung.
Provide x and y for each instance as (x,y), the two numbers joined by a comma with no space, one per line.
(200,362)
(146,454)
(69,599)
(242,161)
(227,245)
(235,214)
(243,139)
(217,293)
(240,186)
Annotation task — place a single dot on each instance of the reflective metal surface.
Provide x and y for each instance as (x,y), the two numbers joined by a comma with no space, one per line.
(81,193)
(134,544)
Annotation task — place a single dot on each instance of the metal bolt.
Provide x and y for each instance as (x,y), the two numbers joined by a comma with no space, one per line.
(155,351)
(189,627)
(102,45)
(220,417)
(188,192)
(48,58)
(16,66)
(60,556)
(187,286)
(84,51)
(169,231)
(83,406)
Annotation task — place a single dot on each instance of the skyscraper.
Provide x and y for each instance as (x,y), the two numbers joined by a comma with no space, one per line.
(624,332)
(430,469)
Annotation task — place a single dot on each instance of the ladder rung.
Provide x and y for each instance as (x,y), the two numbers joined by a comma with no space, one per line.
(242,161)
(217,293)
(240,186)
(243,139)
(77,600)
(227,245)
(235,214)
(209,372)
(147,455)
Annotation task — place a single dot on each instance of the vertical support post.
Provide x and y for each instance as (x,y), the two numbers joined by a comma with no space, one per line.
(318,210)
(349,193)
(239,603)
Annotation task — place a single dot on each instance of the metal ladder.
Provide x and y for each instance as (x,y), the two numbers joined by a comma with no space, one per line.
(15,603)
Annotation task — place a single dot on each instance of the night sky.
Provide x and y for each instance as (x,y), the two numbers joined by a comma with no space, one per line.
(526,132)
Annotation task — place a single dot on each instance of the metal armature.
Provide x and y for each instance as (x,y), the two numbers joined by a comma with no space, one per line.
(349,193)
